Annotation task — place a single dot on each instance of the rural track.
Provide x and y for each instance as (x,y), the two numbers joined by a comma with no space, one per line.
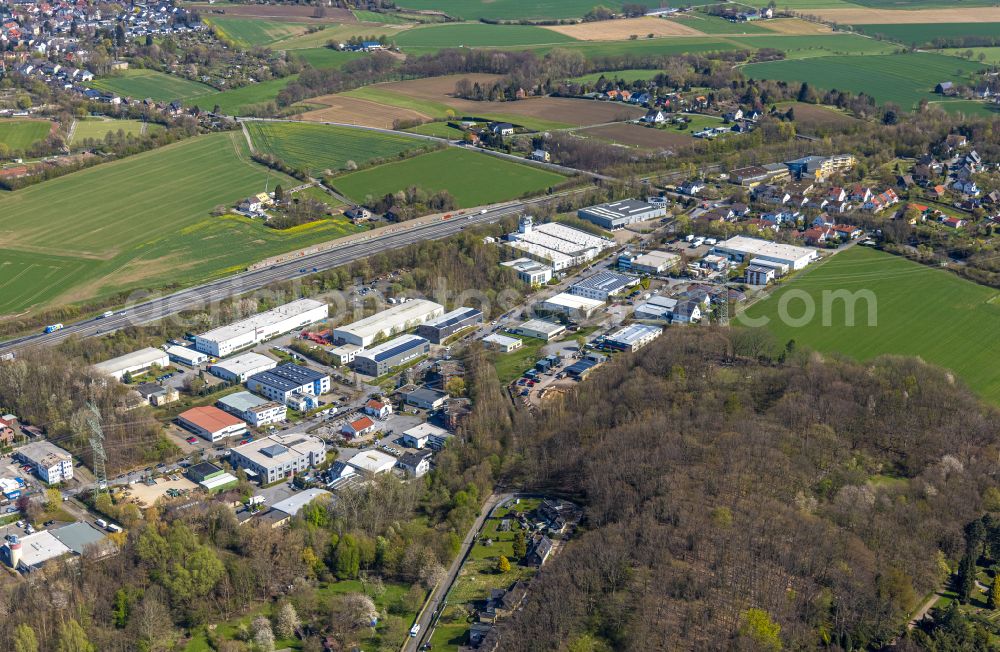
(157,308)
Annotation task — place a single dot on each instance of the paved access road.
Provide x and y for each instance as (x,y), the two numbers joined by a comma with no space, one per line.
(440,591)
(161,307)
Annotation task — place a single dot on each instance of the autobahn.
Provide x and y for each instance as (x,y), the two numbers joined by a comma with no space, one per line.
(157,308)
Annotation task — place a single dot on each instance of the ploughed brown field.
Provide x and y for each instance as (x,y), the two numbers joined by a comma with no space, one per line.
(355,111)
(640,137)
(278,12)
(866,16)
(621,30)
(810,117)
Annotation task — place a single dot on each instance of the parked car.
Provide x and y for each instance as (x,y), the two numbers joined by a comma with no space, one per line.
(192,440)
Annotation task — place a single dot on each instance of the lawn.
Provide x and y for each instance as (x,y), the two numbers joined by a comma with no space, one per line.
(98,128)
(510,366)
(510,9)
(238,101)
(316,147)
(141,222)
(904,79)
(140,84)
(991,55)
(472,178)
(926,34)
(921,311)
(250,32)
(22,134)
(478,35)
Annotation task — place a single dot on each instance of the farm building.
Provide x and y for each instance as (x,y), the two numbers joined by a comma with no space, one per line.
(502,343)
(387,322)
(186,355)
(380,359)
(133,363)
(241,367)
(247,332)
(290,384)
(372,463)
(441,328)
(653,262)
(211,423)
(49,462)
(530,271)
(602,285)
(253,409)
(619,214)
(633,338)
(556,244)
(279,456)
(571,305)
(740,248)
(539,329)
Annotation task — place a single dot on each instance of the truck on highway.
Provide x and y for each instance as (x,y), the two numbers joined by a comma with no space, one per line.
(107,313)
(52,328)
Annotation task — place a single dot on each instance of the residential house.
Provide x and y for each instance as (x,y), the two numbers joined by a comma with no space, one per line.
(541,155)
(952,222)
(358,427)
(846,231)
(538,551)
(415,463)
(358,214)
(759,274)
(378,409)
(938,191)
(945,88)
(654,116)
(859,193)
(501,128)
(882,201)
(6,431)
(955,141)
(967,187)
(817,235)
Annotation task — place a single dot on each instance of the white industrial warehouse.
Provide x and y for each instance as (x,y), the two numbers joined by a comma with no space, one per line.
(559,245)
(384,324)
(741,249)
(135,362)
(226,339)
(571,305)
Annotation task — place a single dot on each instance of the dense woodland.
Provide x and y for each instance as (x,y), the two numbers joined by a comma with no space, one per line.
(733,484)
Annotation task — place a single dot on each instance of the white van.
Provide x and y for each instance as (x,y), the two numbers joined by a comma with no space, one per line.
(113,528)
(415,630)
(101,523)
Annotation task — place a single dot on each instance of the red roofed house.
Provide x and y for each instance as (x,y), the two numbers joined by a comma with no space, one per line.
(846,231)
(211,423)
(6,432)
(817,235)
(358,427)
(953,222)
(378,409)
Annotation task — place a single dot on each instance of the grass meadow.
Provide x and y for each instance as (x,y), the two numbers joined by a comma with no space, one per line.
(926,34)
(250,32)
(921,311)
(140,84)
(316,147)
(22,134)
(98,128)
(141,222)
(511,9)
(478,35)
(473,178)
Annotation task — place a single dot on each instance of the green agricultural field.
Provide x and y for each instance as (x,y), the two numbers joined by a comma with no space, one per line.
(238,100)
(378,17)
(473,178)
(141,222)
(332,32)
(717,25)
(796,5)
(904,79)
(627,76)
(478,35)
(22,134)
(98,128)
(920,311)
(991,55)
(511,9)
(326,57)
(383,95)
(439,129)
(821,45)
(139,83)
(927,34)
(316,147)
(971,108)
(923,4)
(249,32)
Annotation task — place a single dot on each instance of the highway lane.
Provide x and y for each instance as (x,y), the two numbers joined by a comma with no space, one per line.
(157,308)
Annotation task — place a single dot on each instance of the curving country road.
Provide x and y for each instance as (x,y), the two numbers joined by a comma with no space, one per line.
(157,308)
